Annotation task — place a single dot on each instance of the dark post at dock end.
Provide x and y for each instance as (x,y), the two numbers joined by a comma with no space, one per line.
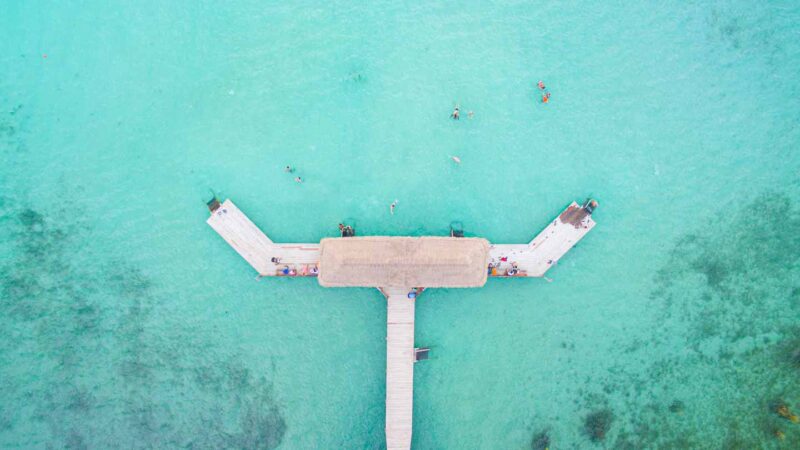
(590,205)
(213,204)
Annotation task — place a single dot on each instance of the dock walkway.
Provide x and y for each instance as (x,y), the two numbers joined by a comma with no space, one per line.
(257,249)
(399,367)
(544,251)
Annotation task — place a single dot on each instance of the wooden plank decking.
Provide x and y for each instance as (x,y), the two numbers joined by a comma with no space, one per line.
(256,248)
(544,251)
(533,259)
(399,367)
(242,234)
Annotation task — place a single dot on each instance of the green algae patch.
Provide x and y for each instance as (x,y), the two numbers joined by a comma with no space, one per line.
(113,371)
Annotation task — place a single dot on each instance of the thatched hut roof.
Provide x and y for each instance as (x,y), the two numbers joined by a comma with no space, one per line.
(377,261)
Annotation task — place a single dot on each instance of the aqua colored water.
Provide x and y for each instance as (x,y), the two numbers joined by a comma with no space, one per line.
(125,321)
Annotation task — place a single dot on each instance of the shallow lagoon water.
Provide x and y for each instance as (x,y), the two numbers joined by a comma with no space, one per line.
(125,319)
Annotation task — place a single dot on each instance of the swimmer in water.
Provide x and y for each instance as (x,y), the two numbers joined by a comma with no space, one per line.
(470,114)
(541,85)
(456,159)
(546,97)
(288,169)
(298,179)
(393,206)
(456,114)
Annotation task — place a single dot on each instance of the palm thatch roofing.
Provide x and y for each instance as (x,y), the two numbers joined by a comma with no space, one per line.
(379,261)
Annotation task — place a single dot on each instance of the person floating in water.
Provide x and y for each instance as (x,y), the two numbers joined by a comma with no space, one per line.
(456,114)
(393,206)
(470,114)
(545,92)
(288,169)
(298,179)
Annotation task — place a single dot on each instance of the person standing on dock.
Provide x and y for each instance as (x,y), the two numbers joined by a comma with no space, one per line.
(346,230)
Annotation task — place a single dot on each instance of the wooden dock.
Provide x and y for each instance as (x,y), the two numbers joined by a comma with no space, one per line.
(257,249)
(243,235)
(533,259)
(546,249)
(399,367)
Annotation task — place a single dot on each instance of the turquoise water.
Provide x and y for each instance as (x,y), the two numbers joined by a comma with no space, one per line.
(127,322)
